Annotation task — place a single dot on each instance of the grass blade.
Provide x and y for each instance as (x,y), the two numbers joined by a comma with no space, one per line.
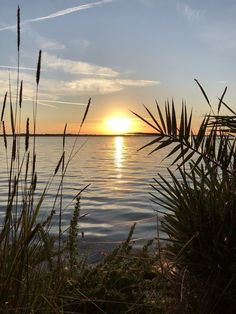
(4,106)
(18,29)
(85,113)
(21,93)
(38,68)
(221,99)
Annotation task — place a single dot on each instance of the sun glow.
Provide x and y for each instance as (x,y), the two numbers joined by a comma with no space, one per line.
(118,125)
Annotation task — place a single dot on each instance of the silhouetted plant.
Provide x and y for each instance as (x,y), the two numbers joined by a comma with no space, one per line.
(29,254)
(199,205)
(42,272)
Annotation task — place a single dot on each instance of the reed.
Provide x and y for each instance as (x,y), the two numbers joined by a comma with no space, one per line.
(28,252)
(44,273)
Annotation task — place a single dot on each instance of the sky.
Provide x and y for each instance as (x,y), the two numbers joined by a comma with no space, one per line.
(122,54)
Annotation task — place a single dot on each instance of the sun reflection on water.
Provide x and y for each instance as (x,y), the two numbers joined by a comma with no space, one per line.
(119,142)
(118,160)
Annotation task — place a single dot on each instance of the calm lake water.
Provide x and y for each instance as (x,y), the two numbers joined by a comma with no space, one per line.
(119,178)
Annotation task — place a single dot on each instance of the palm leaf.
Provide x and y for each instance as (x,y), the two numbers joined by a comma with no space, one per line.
(156,140)
(144,120)
(221,99)
(230,109)
(154,120)
(161,117)
(203,92)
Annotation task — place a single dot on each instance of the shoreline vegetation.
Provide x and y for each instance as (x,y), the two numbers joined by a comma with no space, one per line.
(193,271)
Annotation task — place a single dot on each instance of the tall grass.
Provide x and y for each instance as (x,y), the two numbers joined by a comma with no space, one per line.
(31,260)
(44,273)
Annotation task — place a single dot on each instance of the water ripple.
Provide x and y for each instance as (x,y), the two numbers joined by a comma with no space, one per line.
(120,179)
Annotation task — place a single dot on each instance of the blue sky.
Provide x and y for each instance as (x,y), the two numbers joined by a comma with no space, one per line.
(122,53)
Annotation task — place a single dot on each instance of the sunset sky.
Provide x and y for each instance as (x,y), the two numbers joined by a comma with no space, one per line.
(122,53)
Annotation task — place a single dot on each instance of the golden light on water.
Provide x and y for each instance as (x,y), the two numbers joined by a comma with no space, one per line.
(118,125)
(118,151)
(118,160)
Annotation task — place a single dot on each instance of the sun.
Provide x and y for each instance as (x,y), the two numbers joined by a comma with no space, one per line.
(118,125)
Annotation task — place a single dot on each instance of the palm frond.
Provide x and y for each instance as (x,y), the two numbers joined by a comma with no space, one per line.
(212,141)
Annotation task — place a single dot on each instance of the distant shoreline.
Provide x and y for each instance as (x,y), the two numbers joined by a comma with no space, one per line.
(82,135)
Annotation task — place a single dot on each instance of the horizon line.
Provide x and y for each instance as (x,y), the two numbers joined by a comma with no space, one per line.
(82,134)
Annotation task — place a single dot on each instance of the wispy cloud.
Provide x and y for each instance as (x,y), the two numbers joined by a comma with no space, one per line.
(45,43)
(106,86)
(137,83)
(81,44)
(188,12)
(14,68)
(45,105)
(53,103)
(76,67)
(54,91)
(60,13)
(64,102)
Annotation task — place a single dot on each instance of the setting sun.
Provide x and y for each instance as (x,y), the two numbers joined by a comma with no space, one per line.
(118,125)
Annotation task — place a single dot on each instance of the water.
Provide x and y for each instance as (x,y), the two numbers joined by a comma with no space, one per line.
(119,178)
